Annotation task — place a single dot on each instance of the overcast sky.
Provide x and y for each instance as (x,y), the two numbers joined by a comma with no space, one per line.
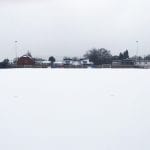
(71,27)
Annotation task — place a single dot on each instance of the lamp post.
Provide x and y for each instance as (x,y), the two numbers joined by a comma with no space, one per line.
(16,42)
(137,49)
(16,48)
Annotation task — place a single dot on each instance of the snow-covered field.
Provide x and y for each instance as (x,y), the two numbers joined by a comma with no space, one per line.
(80,109)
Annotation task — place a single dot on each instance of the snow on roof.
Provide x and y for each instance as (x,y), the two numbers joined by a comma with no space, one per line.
(58,62)
(45,62)
(26,56)
(76,63)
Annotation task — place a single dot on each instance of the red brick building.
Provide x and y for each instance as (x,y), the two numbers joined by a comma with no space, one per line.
(25,60)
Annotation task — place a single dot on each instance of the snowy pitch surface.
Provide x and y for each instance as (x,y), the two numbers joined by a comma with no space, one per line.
(54,109)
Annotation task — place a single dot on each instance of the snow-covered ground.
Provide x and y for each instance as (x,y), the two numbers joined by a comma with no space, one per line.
(80,109)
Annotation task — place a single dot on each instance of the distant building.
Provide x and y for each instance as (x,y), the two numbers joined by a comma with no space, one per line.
(142,63)
(125,63)
(78,63)
(86,62)
(25,61)
(58,64)
(41,63)
(68,62)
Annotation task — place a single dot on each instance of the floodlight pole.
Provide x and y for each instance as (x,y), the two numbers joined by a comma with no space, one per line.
(16,42)
(137,49)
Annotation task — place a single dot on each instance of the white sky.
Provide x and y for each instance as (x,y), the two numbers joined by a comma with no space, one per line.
(70,28)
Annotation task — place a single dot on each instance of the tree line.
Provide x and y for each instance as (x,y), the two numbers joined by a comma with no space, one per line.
(97,56)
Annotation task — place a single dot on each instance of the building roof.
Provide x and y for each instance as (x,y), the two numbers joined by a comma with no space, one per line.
(26,56)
